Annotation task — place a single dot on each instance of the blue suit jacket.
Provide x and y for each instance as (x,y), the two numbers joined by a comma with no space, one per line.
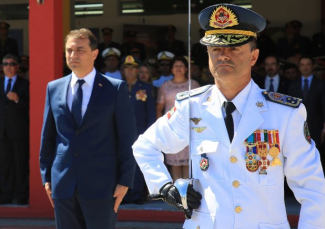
(96,155)
(145,110)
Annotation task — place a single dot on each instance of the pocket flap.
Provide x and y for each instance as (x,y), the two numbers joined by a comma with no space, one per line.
(206,146)
(274,226)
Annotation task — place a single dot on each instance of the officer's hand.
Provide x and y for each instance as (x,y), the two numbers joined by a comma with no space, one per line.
(119,194)
(49,192)
(170,195)
(13,96)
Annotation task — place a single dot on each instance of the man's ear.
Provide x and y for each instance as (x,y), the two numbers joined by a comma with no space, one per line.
(95,53)
(255,54)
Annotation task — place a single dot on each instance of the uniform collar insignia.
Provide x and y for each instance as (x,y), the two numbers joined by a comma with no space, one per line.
(259,104)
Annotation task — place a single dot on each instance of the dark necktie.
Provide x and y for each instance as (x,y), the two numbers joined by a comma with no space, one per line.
(8,89)
(271,88)
(229,107)
(305,90)
(77,103)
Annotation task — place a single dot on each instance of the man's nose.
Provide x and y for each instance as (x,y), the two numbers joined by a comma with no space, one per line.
(73,54)
(223,55)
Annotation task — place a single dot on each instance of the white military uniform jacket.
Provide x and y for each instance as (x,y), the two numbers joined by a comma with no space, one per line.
(234,197)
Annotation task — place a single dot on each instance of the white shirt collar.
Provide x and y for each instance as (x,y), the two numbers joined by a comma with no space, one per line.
(309,78)
(89,79)
(240,100)
(13,79)
(275,78)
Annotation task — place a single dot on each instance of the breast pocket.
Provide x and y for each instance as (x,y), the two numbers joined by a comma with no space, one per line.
(206,151)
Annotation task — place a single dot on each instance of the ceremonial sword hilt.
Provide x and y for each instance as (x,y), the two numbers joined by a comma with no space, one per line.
(182,186)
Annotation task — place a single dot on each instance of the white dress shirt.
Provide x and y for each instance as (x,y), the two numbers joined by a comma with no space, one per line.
(13,80)
(309,78)
(87,88)
(239,101)
(276,81)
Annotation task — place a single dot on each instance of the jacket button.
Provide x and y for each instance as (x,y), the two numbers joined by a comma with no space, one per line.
(233,159)
(235,183)
(238,209)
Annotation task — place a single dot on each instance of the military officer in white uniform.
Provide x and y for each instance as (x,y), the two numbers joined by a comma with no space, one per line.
(240,155)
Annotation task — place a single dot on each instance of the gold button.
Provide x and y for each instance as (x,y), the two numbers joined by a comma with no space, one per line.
(238,209)
(233,159)
(235,183)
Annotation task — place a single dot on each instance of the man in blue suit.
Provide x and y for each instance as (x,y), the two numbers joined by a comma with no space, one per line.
(143,101)
(86,158)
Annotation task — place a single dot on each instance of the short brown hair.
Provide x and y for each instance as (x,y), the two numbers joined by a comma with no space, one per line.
(83,34)
(253,44)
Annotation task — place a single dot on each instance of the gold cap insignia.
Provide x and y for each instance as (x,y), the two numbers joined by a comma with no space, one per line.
(223,17)
(196,120)
(111,52)
(198,129)
(164,56)
(129,60)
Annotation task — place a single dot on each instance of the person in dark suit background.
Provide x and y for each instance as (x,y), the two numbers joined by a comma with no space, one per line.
(312,91)
(171,44)
(107,43)
(7,44)
(272,81)
(14,134)
(130,43)
(143,101)
(86,158)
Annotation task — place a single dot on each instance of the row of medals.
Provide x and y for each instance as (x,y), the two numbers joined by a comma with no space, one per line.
(256,152)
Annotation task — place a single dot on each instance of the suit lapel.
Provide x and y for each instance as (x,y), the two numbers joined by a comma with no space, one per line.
(2,87)
(214,117)
(16,85)
(312,89)
(251,118)
(65,84)
(95,95)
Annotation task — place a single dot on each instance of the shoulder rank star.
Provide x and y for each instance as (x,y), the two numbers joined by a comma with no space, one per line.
(259,104)
(198,129)
(196,120)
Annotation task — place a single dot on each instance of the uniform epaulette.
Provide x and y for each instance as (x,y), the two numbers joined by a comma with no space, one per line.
(185,94)
(282,99)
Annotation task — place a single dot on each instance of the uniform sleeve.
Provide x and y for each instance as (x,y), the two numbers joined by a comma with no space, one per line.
(169,134)
(304,172)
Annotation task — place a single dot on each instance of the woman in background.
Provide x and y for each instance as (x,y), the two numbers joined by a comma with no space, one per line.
(178,162)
